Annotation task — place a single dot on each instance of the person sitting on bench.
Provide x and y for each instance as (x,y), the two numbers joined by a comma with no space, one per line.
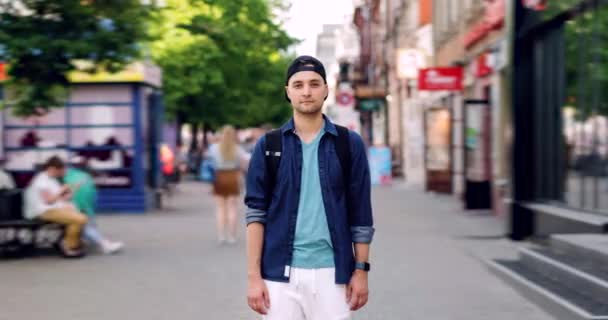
(80,177)
(47,200)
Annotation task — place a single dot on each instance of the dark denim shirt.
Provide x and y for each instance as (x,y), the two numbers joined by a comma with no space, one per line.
(279,215)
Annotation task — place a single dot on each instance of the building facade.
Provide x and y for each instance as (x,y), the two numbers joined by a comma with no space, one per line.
(338,49)
(368,77)
(472,35)
(560,120)
(409,48)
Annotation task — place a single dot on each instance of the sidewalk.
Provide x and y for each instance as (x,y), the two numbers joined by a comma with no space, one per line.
(428,261)
(426,264)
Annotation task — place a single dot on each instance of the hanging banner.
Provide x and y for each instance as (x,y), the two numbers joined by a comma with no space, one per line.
(440,79)
(3,72)
(482,65)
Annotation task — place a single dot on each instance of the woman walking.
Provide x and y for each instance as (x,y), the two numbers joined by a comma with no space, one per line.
(229,158)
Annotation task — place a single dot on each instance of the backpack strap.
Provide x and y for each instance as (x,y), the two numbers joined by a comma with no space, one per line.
(273,147)
(342,144)
(272,157)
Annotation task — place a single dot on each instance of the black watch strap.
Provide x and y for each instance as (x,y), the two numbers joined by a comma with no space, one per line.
(362,266)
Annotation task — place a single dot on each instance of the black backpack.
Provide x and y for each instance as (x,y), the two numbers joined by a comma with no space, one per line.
(272,156)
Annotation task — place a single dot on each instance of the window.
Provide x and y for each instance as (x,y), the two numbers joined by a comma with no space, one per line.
(584,115)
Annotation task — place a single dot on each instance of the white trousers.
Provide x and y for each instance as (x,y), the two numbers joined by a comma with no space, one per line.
(311,294)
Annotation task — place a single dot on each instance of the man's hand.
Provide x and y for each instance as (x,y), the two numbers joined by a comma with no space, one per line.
(66,193)
(357,290)
(257,295)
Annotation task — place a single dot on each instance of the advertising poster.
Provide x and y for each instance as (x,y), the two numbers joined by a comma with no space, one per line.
(380,165)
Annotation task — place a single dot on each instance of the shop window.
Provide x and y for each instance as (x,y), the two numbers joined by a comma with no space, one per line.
(585,113)
(55,116)
(35,138)
(101,137)
(101,115)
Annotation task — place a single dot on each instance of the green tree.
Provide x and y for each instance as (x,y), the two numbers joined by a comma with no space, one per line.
(586,60)
(42,39)
(223,61)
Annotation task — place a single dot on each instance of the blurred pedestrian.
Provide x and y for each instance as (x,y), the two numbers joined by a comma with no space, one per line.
(182,160)
(308,199)
(46,199)
(228,158)
(6,180)
(84,198)
(167,160)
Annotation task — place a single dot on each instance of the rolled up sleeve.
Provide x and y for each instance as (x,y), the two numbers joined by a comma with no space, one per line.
(255,195)
(360,215)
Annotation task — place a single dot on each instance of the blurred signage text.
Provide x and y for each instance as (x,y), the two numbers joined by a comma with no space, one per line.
(439,79)
(409,61)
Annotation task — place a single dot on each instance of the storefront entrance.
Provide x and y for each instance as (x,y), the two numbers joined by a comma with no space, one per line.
(438,137)
(560,110)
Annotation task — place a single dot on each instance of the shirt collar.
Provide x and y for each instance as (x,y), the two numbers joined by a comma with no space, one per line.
(328,127)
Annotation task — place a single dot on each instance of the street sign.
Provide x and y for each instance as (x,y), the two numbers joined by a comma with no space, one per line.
(440,79)
(409,61)
(345,98)
(483,66)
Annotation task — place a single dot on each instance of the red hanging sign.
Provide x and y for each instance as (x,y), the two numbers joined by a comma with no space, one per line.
(439,79)
(482,66)
(3,75)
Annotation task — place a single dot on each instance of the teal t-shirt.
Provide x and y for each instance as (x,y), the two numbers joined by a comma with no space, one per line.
(85,196)
(312,244)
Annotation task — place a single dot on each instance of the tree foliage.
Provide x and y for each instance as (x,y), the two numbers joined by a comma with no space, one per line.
(41,40)
(223,61)
(586,59)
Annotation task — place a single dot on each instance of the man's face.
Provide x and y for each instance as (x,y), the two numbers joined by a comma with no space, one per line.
(57,172)
(307,92)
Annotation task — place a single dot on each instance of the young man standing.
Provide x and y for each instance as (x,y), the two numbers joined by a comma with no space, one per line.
(307,209)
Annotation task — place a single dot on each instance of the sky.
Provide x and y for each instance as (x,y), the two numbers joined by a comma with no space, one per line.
(307,17)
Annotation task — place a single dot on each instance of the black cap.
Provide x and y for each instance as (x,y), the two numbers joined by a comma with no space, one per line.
(305,63)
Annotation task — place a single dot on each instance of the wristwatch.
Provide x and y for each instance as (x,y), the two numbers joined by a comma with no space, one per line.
(362,266)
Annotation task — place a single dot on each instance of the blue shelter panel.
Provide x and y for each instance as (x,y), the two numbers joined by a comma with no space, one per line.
(103,123)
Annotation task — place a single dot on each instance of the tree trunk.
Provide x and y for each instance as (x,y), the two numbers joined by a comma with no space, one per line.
(180,119)
(205,131)
(194,141)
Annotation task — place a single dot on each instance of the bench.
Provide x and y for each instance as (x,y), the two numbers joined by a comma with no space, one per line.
(20,236)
